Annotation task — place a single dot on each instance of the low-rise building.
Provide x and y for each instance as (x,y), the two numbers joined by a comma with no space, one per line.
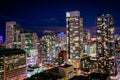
(12,64)
(68,70)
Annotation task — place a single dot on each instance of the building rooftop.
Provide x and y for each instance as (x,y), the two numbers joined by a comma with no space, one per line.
(9,52)
(73,14)
(51,74)
(66,65)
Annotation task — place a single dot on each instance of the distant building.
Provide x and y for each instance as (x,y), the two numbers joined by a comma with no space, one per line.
(17,37)
(9,33)
(105,43)
(92,48)
(12,64)
(89,57)
(86,36)
(86,40)
(48,46)
(40,55)
(61,41)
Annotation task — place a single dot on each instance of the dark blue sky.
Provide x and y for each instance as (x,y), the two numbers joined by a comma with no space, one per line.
(42,14)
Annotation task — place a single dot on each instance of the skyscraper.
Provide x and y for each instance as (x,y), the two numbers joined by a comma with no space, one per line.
(10,33)
(105,42)
(74,25)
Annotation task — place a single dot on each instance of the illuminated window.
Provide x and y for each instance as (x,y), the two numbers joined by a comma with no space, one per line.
(76,39)
(77,44)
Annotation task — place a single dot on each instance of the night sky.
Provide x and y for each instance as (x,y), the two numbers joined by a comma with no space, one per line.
(38,15)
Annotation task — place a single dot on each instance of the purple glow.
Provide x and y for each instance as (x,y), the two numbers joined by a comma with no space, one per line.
(1,38)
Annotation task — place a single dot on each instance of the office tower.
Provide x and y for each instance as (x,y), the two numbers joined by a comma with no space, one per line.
(74,24)
(48,46)
(12,64)
(105,43)
(10,33)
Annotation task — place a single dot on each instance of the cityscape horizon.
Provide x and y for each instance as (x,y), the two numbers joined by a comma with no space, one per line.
(59,40)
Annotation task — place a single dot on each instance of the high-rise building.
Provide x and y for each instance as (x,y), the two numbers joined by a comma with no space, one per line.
(74,25)
(17,37)
(9,33)
(13,35)
(48,46)
(105,43)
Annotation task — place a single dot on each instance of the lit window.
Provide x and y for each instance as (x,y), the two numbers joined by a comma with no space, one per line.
(76,39)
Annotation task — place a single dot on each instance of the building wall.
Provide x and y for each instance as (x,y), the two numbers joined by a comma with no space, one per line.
(15,67)
(69,72)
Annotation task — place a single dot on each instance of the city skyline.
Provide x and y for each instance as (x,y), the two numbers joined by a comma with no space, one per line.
(41,15)
(59,40)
